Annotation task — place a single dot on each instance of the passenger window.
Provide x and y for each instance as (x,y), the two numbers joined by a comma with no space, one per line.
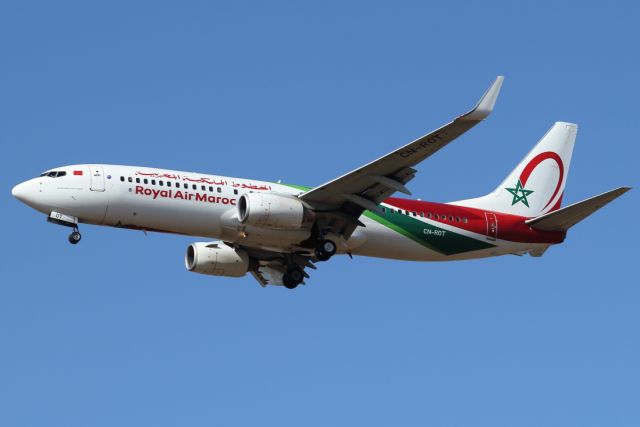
(457,219)
(137,180)
(451,218)
(204,188)
(406,212)
(384,210)
(161,183)
(210,189)
(235,191)
(130,179)
(168,183)
(464,220)
(153,182)
(195,187)
(429,215)
(146,181)
(122,178)
(421,214)
(413,213)
(219,190)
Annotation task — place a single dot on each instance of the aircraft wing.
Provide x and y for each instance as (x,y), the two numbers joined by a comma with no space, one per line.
(367,186)
(390,172)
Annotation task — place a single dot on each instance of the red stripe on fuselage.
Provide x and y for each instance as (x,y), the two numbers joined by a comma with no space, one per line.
(510,227)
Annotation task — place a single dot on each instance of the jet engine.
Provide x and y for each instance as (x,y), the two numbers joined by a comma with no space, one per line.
(216,259)
(274,211)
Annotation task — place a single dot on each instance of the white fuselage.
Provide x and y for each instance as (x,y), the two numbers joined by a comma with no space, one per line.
(196,204)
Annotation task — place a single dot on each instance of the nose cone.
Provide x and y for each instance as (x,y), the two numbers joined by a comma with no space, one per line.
(20,192)
(28,194)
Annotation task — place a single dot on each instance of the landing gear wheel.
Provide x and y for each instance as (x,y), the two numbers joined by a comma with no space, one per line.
(74,237)
(292,277)
(325,250)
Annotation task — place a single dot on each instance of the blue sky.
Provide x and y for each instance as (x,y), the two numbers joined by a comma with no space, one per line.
(116,332)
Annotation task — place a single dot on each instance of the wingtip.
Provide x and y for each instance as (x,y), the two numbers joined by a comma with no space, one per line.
(484,107)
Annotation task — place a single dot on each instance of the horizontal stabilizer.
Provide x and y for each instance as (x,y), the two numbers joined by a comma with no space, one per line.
(565,218)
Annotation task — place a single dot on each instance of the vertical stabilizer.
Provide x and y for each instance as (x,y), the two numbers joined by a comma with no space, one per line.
(536,185)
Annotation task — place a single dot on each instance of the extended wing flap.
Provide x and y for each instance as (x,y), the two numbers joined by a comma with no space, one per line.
(271,266)
(565,218)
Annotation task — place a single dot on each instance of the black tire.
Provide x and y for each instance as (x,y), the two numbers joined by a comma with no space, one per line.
(75,237)
(325,250)
(287,283)
(292,278)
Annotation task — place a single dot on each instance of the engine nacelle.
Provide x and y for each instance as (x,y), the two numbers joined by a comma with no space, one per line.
(216,259)
(273,211)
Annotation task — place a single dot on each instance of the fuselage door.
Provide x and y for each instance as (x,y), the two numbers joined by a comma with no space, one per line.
(492,225)
(97,178)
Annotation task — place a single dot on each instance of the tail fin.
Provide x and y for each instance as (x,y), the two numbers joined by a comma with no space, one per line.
(565,218)
(536,185)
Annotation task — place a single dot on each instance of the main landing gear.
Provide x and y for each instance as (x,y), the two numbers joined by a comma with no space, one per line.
(325,250)
(292,277)
(75,236)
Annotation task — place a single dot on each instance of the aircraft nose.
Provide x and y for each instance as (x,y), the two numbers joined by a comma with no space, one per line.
(20,192)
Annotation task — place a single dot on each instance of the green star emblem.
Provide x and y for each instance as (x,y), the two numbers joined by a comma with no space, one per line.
(519,194)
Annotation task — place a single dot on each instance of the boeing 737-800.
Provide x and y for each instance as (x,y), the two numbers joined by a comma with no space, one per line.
(274,231)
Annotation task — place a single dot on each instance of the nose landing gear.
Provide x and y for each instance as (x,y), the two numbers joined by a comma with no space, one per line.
(75,236)
(67,221)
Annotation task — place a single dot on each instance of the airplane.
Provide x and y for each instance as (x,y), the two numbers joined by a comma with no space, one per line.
(276,231)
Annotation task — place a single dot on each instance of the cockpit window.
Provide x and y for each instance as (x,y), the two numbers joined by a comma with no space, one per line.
(54,174)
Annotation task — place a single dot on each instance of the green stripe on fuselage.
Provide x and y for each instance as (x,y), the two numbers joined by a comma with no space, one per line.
(435,238)
(297,187)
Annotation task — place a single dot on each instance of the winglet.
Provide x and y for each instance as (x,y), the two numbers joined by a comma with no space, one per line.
(484,107)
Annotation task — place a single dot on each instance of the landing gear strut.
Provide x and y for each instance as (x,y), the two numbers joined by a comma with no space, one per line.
(325,250)
(67,221)
(292,277)
(75,236)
